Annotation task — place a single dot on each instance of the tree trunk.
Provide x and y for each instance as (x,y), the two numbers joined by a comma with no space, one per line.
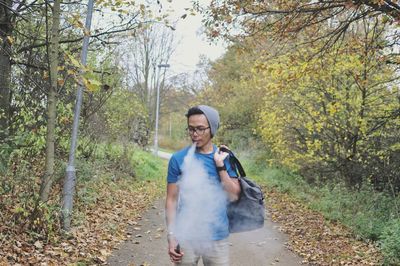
(47,179)
(5,66)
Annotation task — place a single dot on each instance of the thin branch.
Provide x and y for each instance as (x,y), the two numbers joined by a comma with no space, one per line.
(33,46)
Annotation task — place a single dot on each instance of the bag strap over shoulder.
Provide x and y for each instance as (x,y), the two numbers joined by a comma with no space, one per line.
(234,161)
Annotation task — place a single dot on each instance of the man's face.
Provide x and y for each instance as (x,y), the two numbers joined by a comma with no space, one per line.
(199,130)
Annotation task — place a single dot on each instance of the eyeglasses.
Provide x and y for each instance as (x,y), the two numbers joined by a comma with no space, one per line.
(198,130)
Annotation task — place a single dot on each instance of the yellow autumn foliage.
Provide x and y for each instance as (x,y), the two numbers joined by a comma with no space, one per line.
(327,114)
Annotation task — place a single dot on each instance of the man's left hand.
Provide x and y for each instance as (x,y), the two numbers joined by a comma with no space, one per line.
(219,157)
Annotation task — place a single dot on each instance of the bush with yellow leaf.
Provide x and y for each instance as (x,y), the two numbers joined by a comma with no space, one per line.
(333,117)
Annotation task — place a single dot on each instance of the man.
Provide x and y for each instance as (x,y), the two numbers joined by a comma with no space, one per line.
(221,182)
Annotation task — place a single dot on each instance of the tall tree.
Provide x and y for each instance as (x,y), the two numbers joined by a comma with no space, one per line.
(5,64)
(11,12)
(51,101)
(150,47)
(334,117)
(325,21)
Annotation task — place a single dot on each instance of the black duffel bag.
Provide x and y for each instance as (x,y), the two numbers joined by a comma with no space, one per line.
(248,212)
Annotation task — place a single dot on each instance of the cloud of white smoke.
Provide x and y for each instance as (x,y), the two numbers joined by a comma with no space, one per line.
(200,201)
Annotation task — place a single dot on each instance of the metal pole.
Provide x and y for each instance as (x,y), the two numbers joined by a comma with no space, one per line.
(170,125)
(70,178)
(156,129)
(158,109)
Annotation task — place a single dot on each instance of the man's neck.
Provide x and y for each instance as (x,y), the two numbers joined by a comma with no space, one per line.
(208,148)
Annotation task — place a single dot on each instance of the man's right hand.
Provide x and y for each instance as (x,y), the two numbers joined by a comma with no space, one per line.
(172,244)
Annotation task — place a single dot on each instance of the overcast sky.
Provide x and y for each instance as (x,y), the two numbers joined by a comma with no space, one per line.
(191,43)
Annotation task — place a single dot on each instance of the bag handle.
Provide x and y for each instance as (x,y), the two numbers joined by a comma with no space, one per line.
(234,161)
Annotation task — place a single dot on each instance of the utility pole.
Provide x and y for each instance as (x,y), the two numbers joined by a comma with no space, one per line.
(70,178)
(165,66)
(170,125)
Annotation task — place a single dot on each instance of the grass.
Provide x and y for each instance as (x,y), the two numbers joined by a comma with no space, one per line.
(168,150)
(371,215)
(112,189)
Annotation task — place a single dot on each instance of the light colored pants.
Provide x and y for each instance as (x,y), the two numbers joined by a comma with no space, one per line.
(215,253)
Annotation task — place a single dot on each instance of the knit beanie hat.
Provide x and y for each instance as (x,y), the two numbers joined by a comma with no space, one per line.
(212,117)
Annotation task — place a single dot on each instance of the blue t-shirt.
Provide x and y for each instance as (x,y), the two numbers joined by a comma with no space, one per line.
(216,199)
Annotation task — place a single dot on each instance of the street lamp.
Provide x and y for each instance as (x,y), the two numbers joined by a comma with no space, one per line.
(165,66)
(70,177)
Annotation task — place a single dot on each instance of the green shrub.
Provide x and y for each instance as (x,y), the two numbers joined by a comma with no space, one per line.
(238,139)
(173,143)
(131,161)
(371,215)
(5,151)
(390,242)
(146,165)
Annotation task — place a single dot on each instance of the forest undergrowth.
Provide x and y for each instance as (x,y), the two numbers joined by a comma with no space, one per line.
(108,200)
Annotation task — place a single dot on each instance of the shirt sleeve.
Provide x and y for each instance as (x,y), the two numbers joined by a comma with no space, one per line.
(173,170)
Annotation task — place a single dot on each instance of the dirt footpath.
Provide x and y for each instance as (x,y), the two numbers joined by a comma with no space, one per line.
(148,245)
